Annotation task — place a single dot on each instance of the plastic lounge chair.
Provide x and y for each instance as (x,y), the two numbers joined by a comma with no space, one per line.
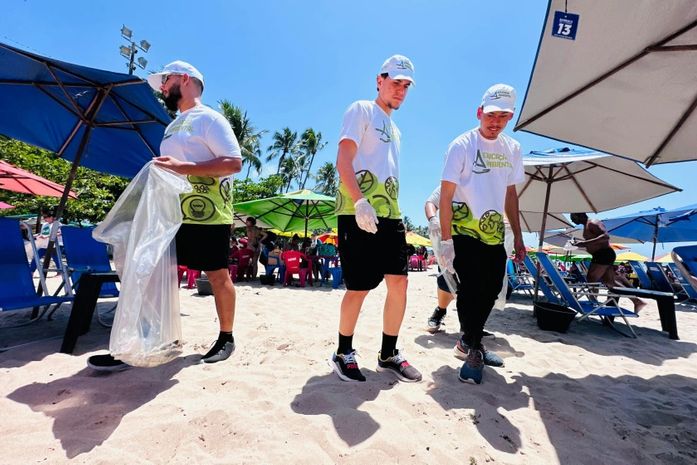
(687,290)
(685,259)
(644,280)
(659,281)
(83,254)
(16,284)
(590,307)
(543,286)
(517,281)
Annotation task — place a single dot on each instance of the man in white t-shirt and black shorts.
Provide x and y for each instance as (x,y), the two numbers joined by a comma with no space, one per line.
(201,145)
(481,169)
(372,237)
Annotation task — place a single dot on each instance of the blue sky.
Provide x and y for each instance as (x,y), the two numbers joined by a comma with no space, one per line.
(300,64)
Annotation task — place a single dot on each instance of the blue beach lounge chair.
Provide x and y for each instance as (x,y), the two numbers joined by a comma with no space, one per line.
(16,283)
(585,302)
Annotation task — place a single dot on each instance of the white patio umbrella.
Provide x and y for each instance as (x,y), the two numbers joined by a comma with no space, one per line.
(532,221)
(572,180)
(624,85)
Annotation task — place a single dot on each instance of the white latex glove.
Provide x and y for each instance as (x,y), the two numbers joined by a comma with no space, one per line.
(434,225)
(447,255)
(365,216)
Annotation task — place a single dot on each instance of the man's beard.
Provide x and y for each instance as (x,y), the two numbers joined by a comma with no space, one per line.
(172,99)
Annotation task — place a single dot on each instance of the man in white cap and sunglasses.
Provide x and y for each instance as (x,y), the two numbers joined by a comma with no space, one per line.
(371,233)
(201,145)
(482,167)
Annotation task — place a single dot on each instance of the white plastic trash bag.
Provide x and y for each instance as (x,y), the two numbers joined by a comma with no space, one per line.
(449,278)
(141,228)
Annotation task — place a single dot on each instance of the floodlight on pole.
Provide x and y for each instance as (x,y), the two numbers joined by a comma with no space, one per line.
(126,33)
(130,51)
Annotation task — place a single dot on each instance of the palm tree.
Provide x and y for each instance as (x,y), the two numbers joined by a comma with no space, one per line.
(290,171)
(284,143)
(247,135)
(310,143)
(408,225)
(326,179)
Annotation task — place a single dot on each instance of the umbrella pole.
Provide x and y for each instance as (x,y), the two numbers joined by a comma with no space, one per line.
(542,231)
(93,109)
(655,239)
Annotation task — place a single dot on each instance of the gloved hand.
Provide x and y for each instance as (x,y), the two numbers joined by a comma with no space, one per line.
(366,218)
(434,225)
(447,255)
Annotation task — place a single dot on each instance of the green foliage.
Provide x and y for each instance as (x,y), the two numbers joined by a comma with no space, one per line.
(245,189)
(326,179)
(96,192)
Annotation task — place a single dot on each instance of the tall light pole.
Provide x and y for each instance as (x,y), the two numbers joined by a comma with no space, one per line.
(129,51)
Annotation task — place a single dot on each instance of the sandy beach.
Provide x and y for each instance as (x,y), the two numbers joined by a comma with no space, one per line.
(590,396)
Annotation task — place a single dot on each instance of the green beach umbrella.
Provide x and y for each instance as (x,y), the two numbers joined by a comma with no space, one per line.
(302,210)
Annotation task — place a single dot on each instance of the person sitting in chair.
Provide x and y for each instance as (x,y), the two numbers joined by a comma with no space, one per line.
(596,241)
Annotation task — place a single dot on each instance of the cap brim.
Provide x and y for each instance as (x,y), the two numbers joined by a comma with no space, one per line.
(404,77)
(155,81)
(492,108)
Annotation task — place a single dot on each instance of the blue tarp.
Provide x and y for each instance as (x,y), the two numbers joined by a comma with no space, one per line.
(50,104)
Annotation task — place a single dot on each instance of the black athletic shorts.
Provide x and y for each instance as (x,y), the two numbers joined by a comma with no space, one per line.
(604,257)
(204,247)
(442,285)
(366,258)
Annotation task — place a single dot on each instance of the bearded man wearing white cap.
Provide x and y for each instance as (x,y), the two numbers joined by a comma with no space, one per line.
(201,145)
(372,237)
(481,169)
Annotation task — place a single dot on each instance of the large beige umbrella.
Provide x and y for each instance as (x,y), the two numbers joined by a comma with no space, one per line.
(623,84)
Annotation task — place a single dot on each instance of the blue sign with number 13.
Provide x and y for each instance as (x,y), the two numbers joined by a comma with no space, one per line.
(565,25)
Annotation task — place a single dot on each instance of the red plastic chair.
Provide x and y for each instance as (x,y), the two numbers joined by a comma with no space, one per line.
(244,263)
(292,260)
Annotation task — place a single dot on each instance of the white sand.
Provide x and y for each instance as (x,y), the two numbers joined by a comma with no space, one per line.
(589,396)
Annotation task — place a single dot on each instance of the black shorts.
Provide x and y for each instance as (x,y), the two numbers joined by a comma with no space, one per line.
(203,247)
(604,257)
(366,258)
(442,285)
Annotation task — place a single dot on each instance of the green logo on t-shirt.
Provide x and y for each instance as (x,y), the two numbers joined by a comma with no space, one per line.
(385,132)
(479,163)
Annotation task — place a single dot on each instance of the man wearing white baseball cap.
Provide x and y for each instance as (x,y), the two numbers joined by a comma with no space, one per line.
(371,233)
(201,145)
(482,167)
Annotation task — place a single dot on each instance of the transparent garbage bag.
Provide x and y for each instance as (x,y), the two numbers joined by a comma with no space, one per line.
(508,244)
(141,227)
(449,277)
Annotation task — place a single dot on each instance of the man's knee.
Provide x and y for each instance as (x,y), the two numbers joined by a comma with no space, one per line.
(218,277)
(396,283)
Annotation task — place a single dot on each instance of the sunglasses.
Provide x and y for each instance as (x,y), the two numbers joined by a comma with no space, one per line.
(165,77)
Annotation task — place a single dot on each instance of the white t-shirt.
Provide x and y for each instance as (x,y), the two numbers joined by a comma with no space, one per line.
(434,198)
(201,134)
(377,159)
(482,169)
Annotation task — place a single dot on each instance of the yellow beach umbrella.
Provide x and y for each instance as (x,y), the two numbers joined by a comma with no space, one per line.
(415,239)
(667,258)
(626,256)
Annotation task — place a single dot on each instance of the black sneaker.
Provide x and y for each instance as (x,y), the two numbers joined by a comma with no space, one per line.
(220,351)
(398,365)
(346,366)
(106,362)
(490,358)
(436,320)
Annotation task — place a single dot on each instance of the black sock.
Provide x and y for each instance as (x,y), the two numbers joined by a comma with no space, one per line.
(226,336)
(345,344)
(389,344)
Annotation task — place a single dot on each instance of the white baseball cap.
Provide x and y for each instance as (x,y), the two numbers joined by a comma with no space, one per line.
(499,97)
(176,67)
(398,67)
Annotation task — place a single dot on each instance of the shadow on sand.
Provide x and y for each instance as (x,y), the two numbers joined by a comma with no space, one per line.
(77,403)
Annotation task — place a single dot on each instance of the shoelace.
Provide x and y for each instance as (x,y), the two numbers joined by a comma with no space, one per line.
(476,361)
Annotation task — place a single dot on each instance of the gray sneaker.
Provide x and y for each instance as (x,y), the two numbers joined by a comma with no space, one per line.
(219,352)
(398,365)
(490,358)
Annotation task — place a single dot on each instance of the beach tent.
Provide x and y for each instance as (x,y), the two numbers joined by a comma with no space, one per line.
(418,240)
(617,76)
